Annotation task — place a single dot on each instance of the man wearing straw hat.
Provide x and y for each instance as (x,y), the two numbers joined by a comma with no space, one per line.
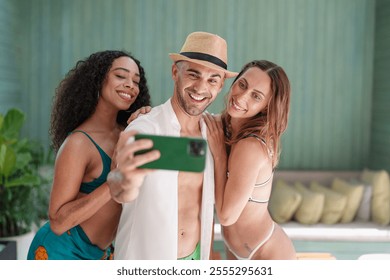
(169,214)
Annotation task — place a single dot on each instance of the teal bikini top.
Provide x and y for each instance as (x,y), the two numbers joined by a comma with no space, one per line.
(88,187)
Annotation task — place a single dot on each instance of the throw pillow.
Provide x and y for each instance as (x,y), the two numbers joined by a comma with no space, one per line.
(354,194)
(310,210)
(380,207)
(364,211)
(283,202)
(334,203)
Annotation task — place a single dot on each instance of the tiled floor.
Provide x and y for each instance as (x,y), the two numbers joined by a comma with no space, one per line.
(343,250)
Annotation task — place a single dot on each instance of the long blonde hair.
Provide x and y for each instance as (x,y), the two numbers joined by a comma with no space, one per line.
(270,123)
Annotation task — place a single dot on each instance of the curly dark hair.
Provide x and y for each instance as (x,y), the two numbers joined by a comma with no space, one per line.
(77,95)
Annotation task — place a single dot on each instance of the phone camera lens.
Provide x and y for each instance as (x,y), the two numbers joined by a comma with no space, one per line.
(197,148)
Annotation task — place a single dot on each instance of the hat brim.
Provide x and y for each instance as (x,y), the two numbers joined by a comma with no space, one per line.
(178,57)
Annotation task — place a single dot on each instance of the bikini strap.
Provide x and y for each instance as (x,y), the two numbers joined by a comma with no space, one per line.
(270,177)
(251,199)
(101,151)
(257,137)
(270,152)
(86,134)
(258,185)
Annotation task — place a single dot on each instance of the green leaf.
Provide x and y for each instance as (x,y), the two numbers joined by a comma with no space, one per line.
(24,180)
(7,161)
(22,160)
(3,150)
(12,124)
(1,121)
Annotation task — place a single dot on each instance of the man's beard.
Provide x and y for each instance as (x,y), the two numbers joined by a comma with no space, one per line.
(191,110)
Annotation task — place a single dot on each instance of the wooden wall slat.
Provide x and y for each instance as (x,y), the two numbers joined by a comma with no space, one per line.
(380,141)
(326,48)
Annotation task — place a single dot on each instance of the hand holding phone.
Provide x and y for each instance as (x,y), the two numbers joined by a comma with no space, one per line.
(125,178)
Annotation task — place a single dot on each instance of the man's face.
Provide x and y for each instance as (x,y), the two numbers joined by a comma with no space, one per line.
(196,86)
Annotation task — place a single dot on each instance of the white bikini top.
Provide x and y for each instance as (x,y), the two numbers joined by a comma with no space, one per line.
(258,185)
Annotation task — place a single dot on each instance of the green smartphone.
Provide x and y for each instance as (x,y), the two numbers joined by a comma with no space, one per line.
(177,153)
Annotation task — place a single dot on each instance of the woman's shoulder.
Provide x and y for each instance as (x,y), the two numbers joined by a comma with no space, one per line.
(249,145)
(251,141)
(252,147)
(77,142)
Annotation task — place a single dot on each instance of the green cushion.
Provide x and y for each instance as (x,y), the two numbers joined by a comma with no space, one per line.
(310,209)
(380,203)
(283,202)
(354,194)
(334,203)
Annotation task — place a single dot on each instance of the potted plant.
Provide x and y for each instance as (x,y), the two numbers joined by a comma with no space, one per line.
(23,192)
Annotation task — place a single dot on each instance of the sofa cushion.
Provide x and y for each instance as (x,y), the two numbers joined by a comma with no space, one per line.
(353,193)
(380,203)
(284,201)
(363,213)
(334,203)
(310,209)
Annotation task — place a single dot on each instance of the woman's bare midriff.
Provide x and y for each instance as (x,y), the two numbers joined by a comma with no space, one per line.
(101,227)
(251,228)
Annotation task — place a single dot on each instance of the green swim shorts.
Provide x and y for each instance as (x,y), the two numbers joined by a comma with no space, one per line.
(195,255)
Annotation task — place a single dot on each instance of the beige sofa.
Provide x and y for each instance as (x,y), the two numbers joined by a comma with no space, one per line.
(359,229)
(356,230)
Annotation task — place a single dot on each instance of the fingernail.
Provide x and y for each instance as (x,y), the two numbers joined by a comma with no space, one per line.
(130,140)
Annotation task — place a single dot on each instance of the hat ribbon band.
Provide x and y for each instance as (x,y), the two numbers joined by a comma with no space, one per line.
(205,57)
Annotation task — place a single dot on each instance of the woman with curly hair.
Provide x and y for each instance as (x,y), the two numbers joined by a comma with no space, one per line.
(245,143)
(90,110)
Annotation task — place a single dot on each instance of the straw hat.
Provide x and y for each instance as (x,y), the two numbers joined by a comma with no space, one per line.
(205,49)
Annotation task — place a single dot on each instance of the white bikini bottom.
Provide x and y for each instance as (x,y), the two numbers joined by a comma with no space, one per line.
(255,249)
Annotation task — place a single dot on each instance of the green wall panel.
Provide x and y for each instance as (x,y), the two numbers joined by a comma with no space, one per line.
(10,82)
(326,47)
(380,143)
